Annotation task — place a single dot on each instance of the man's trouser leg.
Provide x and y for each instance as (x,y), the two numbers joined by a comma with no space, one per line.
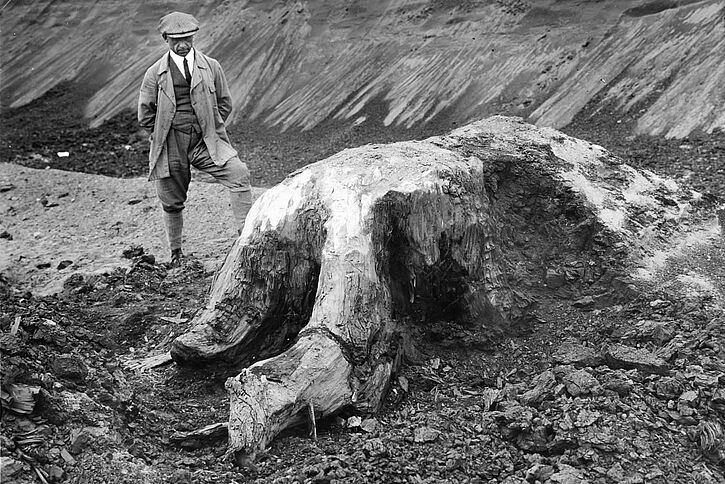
(240,201)
(234,175)
(172,189)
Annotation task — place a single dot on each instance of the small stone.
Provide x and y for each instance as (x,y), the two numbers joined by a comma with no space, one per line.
(659,332)
(70,368)
(545,383)
(659,303)
(425,434)
(375,448)
(64,263)
(10,466)
(587,417)
(133,251)
(353,422)
(617,474)
(55,473)
(147,259)
(668,388)
(568,475)
(581,382)
(67,457)
(181,476)
(689,397)
(369,425)
(587,302)
(578,355)
(7,443)
(653,474)
(628,358)
(403,382)
(80,440)
(539,472)
(555,278)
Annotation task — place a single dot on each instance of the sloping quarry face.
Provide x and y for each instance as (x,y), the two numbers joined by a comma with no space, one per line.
(295,64)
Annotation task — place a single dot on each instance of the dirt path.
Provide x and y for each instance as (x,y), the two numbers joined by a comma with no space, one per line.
(52,216)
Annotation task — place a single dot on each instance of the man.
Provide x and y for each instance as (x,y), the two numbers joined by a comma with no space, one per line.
(185,102)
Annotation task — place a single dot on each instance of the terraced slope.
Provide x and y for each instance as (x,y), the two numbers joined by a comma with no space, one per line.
(294,64)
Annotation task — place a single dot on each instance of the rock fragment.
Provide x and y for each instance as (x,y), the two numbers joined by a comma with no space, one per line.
(55,473)
(628,358)
(545,383)
(353,422)
(581,382)
(67,457)
(70,368)
(133,251)
(80,439)
(576,354)
(425,434)
(568,475)
(539,473)
(668,388)
(555,278)
(375,448)
(370,425)
(587,302)
(617,474)
(10,466)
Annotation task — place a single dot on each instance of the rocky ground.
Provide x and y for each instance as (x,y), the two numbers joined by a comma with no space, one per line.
(593,390)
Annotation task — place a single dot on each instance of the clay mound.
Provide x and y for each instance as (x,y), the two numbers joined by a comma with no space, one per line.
(404,64)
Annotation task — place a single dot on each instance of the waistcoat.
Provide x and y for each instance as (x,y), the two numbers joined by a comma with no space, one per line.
(181,89)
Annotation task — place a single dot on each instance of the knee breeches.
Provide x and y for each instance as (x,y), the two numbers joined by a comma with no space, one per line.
(187,149)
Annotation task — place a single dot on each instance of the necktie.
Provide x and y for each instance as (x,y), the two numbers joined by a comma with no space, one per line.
(187,74)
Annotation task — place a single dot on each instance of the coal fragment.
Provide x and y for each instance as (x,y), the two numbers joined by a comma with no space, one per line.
(70,368)
(133,251)
(628,358)
(578,355)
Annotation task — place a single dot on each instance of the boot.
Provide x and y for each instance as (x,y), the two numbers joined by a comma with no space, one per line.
(241,203)
(176,257)
(174,224)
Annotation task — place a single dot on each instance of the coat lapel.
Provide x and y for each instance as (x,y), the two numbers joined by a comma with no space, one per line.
(166,84)
(199,64)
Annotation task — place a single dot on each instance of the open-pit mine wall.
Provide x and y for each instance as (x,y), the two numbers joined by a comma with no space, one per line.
(293,64)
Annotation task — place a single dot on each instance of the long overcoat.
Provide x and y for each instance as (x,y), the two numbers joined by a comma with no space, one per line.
(210,100)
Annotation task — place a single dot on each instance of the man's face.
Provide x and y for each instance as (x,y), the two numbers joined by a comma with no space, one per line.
(180,45)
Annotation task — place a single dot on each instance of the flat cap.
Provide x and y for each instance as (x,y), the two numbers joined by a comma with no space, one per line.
(178,24)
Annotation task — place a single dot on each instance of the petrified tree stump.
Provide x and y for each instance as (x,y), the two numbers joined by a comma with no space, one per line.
(333,256)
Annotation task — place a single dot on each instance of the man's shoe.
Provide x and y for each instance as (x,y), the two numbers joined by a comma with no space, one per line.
(176,257)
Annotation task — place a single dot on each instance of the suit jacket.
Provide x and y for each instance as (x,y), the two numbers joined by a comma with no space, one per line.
(210,100)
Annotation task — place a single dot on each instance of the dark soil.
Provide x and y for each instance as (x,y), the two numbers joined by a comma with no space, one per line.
(32,136)
(473,406)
